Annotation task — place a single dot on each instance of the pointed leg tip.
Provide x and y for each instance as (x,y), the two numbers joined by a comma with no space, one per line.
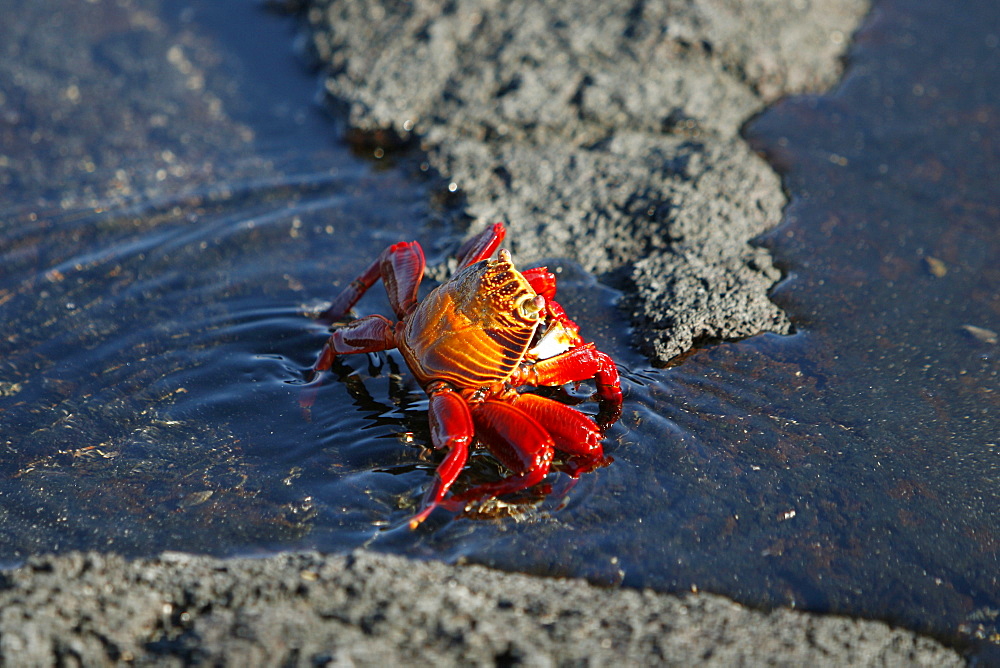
(419,518)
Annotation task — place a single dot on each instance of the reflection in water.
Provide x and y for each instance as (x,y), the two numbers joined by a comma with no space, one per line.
(153,347)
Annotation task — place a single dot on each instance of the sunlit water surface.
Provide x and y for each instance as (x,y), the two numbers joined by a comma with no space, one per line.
(154,343)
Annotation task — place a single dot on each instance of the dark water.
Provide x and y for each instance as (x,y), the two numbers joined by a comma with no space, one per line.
(153,335)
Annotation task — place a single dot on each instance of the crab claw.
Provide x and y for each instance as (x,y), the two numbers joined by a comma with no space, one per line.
(580,363)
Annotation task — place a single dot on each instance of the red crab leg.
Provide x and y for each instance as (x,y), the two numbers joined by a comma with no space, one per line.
(581,363)
(400,266)
(364,335)
(572,432)
(481,246)
(451,428)
(518,441)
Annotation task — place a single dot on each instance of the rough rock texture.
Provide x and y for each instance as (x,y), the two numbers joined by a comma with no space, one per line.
(605,132)
(368,609)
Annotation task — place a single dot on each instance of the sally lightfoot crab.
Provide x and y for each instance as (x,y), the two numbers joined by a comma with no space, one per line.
(471,344)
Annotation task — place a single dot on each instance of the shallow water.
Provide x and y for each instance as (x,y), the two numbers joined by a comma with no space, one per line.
(155,337)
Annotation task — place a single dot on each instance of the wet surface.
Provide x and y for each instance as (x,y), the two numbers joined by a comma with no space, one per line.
(155,337)
(892,247)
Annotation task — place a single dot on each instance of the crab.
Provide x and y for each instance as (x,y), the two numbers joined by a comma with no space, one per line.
(472,344)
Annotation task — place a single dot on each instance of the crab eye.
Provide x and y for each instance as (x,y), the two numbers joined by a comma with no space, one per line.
(531,307)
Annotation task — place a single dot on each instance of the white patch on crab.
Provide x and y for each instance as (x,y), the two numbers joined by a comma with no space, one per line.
(555,341)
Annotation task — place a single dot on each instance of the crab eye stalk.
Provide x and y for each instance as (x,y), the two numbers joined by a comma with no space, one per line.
(531,307)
